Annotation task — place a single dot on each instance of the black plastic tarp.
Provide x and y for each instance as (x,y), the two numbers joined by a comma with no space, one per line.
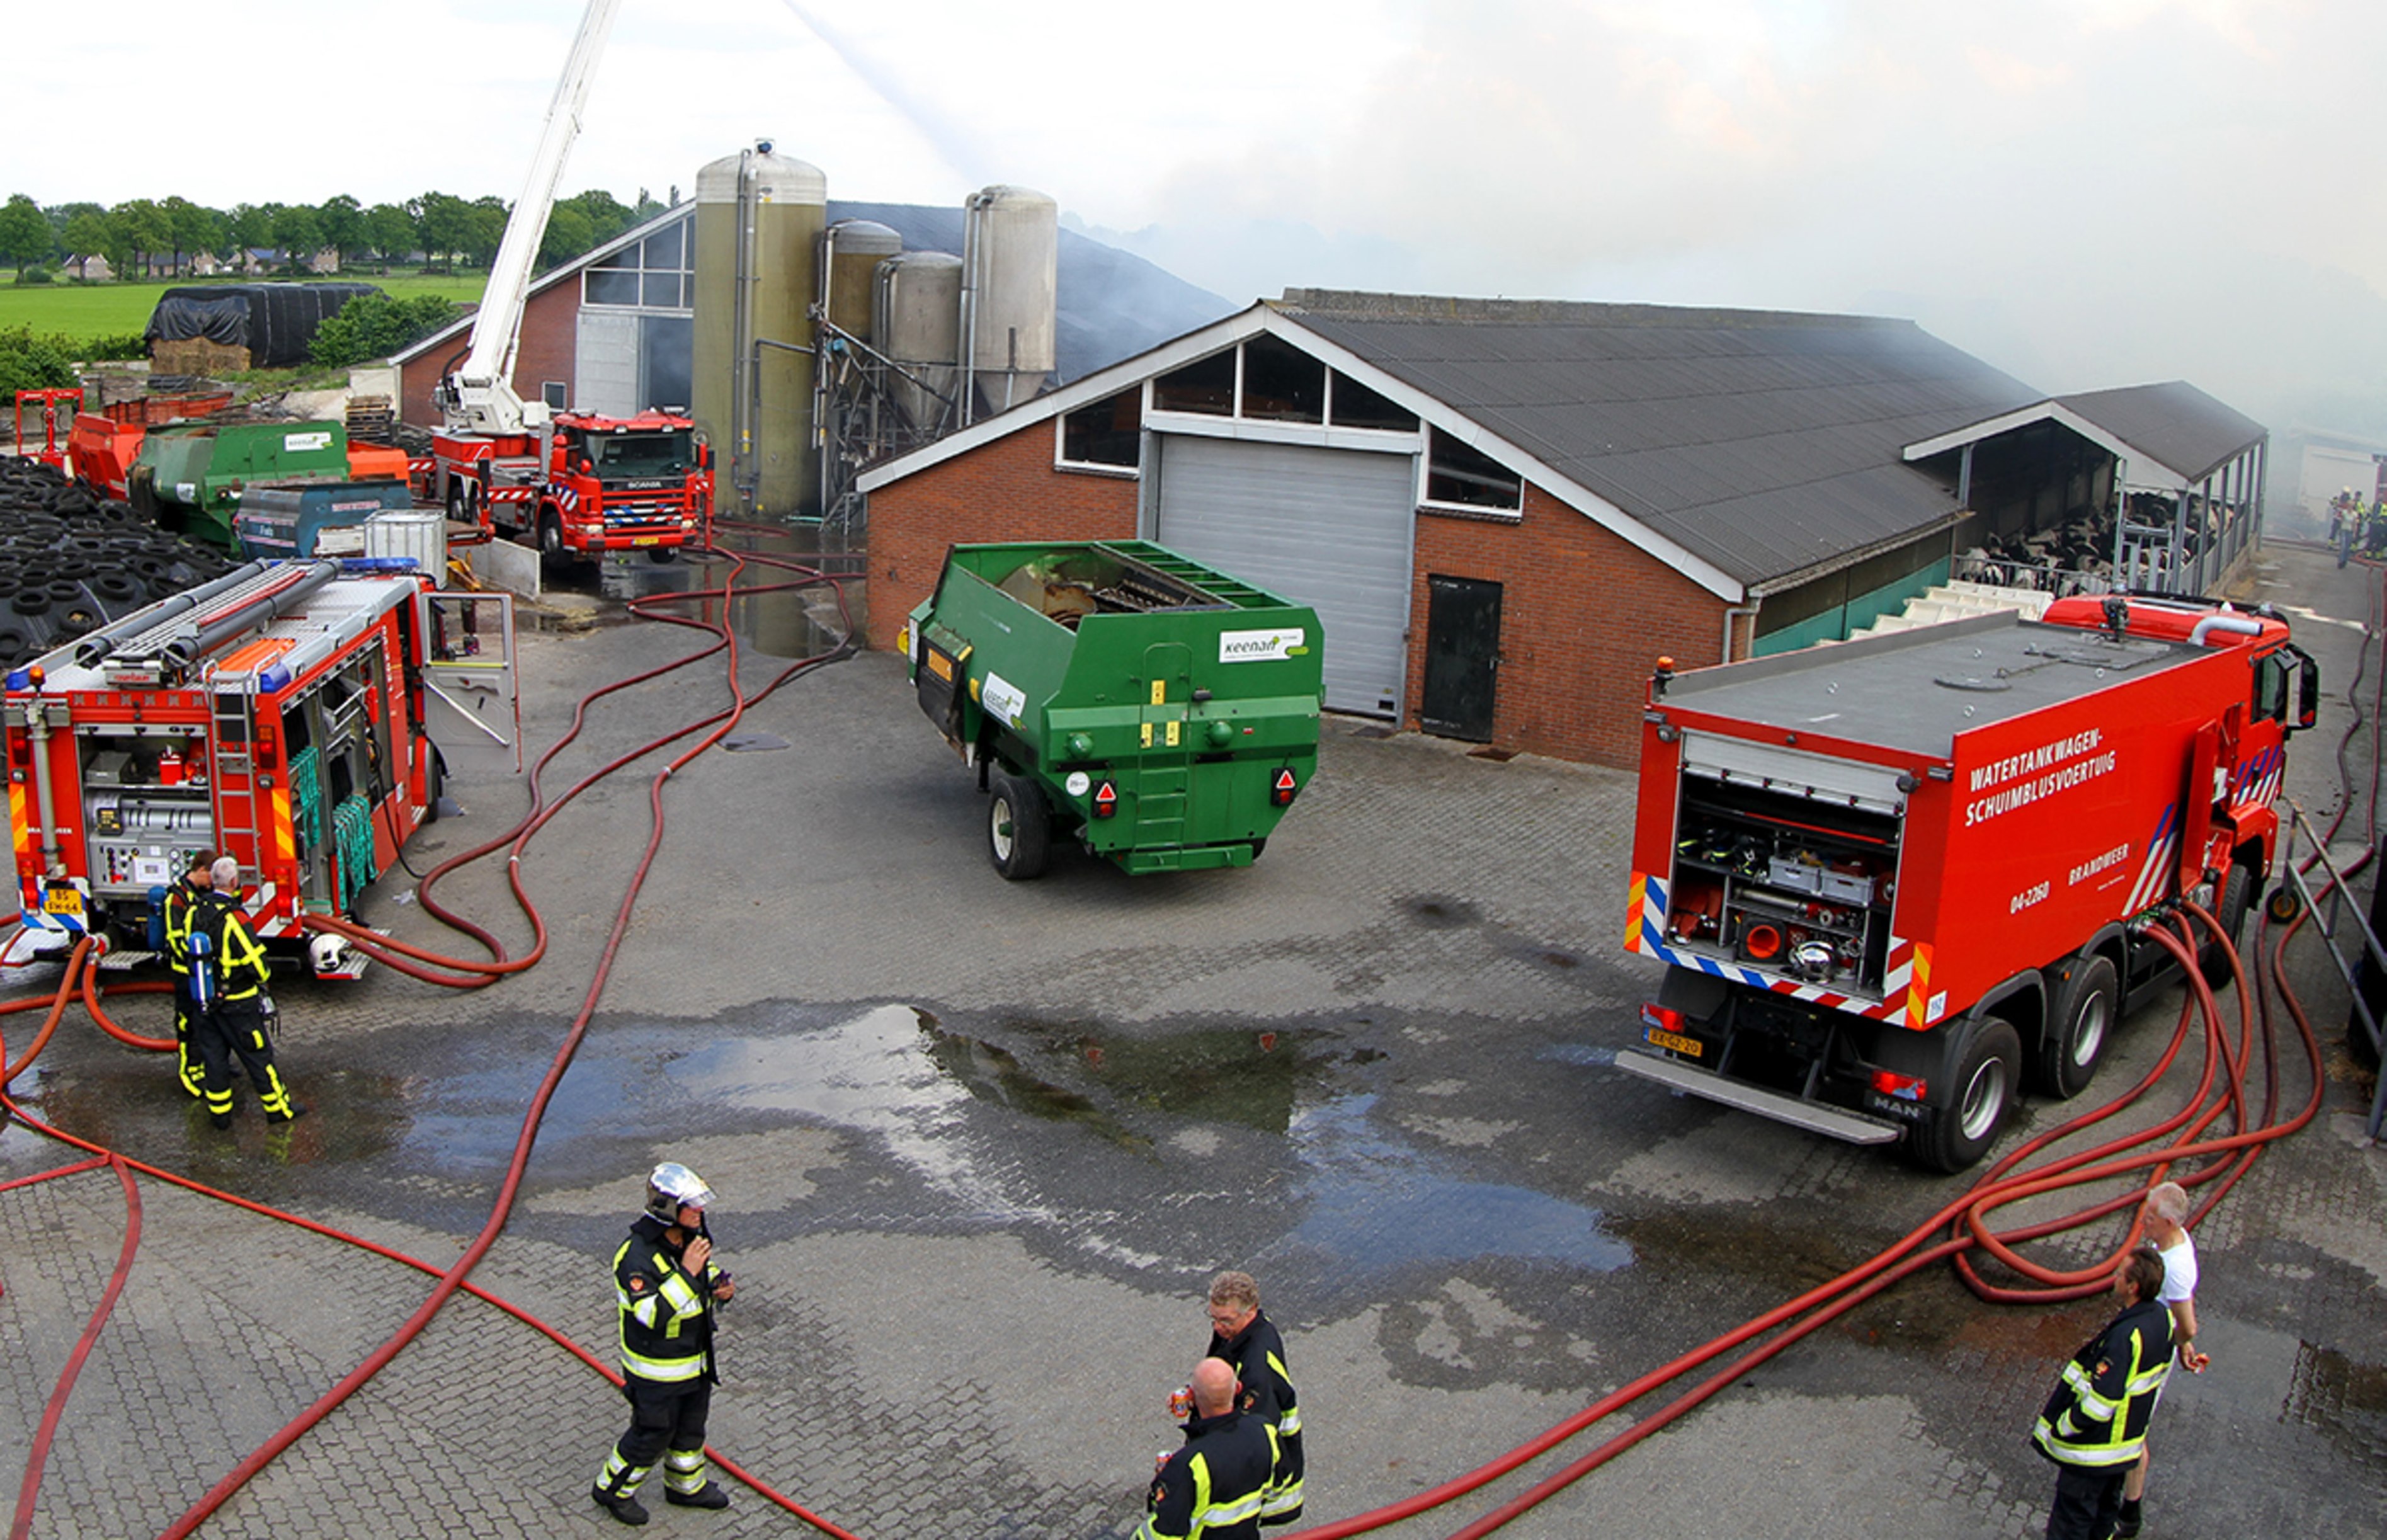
(274,322)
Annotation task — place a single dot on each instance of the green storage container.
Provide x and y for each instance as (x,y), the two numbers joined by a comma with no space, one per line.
(1160,712)
(190,476)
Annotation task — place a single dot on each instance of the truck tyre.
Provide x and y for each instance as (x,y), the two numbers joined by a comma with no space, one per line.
(1019,827)
(663,556)
(1958,1135)
(550,535)
(2082,1027)
(2237,897)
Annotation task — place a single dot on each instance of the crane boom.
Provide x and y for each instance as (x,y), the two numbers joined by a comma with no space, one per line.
(479,397)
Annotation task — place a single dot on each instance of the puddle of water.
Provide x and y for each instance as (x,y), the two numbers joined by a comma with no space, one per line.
(1439,912)
(1376,1203)
(1229,1075)
(2341,1398)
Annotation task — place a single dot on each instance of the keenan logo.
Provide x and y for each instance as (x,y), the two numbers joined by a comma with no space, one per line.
(1252,646)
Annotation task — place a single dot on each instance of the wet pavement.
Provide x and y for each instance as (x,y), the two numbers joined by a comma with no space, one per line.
(979,1144)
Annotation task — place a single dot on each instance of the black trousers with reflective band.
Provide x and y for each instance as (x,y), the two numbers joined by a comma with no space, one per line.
(664,1415)
(237,1027)
(2087,1500)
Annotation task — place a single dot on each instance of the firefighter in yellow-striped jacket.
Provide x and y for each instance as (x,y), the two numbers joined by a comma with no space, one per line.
(1212,1488)
(234,1016)
(1252,1346)
(2095,1424)
(187,898)
(668,1287)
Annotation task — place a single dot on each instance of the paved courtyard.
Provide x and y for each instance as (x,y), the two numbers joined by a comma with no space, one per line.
(978,1145)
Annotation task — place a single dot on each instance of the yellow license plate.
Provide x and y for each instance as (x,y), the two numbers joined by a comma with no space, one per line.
(645,539)
(62,900)
(1690,1047)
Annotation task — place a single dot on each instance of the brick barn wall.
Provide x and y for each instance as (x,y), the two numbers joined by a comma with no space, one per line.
(1584,617)
(550,334)
(1003,490)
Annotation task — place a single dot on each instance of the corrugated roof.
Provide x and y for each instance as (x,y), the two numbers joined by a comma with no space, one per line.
(2181,426)
(1766,442)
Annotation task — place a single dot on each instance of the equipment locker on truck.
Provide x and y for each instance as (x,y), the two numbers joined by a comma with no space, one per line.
(1890,878)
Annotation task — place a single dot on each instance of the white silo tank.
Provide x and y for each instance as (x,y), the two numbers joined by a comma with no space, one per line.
(918,324)
(758,217)
(1011,251)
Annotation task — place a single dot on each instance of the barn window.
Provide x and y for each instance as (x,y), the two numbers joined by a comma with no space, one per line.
(1355,405)
(1207,385)
(1281,382)
(1458,474)
(1108,433)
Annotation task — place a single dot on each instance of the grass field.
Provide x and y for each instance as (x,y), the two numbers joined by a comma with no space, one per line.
(115,310)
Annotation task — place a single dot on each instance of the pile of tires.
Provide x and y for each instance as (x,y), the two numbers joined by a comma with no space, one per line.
(70,561)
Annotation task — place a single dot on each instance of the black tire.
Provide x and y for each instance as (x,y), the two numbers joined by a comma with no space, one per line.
(1956,1136)
(2284,905)
(2237,897)
(435,781)
(2079,1032)
(1018,826)
(550,535)
(663,556)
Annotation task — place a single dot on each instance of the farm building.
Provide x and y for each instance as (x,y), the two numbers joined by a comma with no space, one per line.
(1506,512)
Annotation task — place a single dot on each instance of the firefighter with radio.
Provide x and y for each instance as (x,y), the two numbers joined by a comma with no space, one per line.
(190,896)
(235,1019)
(668,1287)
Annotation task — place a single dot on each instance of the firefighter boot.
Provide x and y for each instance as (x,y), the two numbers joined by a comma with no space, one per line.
(624,1506)
(710,1494)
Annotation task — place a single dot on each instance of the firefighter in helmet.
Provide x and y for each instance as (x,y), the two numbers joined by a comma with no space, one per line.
(668,1287)
(186,899)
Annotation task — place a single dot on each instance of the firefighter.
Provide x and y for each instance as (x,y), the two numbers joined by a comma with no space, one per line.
(2095,1425)
(188,896)
(1250,1344)
(668,1287)
(228,979)
(1212,1489)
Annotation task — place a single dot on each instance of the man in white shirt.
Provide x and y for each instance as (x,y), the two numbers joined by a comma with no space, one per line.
(2165,1213)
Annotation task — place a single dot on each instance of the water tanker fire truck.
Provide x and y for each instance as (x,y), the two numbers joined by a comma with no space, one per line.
(579,485)
(1893,878)
(274,715)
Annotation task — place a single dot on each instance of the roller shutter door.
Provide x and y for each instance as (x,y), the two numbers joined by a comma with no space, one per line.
(1329,528)
(604,364)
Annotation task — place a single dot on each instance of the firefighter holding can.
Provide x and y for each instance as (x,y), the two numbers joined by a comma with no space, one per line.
(668,1287)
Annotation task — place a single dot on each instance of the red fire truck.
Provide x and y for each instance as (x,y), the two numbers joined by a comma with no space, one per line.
(1891,878)
(274,715)
(580,485)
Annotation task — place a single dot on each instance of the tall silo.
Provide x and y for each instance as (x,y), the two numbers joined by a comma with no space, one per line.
(758,217)
(918,324)
(1011,247)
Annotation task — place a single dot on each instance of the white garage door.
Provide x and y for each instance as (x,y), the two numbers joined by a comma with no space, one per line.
(606,362)
(1329,528)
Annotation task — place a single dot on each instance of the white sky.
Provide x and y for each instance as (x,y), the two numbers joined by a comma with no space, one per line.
(2087,193)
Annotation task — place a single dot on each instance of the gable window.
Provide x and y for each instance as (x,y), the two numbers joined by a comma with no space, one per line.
(1355,405)
(1281,382)
(1108,433)
(1207,385)
(652,274)
(1459,475)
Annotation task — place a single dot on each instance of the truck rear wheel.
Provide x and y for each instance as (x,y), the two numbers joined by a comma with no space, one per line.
(2075,1039)
(1019,827)
(2237,897)
(1958,1135)
(550,535)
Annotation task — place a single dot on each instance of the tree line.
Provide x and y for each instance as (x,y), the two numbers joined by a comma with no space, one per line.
(442,229)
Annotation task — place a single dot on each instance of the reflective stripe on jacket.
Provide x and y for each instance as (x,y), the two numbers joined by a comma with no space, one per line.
(240,960)
(1212,1489)
(2099,1413)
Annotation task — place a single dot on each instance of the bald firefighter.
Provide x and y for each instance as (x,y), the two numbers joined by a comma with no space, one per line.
(668,1287)
(1212,1488)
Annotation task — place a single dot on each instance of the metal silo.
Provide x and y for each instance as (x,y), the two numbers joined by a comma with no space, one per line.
(758,224)
(852,250)
(917,325)
(1011,244)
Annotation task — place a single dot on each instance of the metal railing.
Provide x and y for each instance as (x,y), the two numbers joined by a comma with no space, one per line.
(2042,577)
(2330,919)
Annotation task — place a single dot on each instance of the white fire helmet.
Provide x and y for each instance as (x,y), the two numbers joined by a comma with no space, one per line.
(673,1187)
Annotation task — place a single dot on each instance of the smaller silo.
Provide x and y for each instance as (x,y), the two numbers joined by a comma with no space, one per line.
(1011,250)
(918,324)
(851,251)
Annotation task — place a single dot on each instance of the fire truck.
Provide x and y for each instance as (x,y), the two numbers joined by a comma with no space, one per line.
(1893,879)
(580,485)
(274,715)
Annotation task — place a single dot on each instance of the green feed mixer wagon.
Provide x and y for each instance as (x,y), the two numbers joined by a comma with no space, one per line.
(1161,712)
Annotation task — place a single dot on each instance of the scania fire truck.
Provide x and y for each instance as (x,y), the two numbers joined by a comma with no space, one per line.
(580,485)
(274,715)
(1892,878)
